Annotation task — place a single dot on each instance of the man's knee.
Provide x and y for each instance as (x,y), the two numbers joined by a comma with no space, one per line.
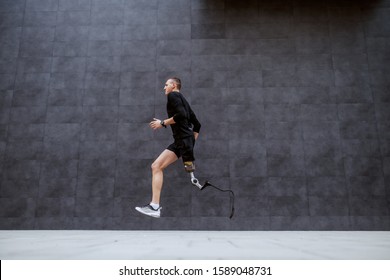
(156,166)
(189,166)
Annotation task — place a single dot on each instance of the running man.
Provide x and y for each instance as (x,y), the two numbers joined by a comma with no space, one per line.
(185,128)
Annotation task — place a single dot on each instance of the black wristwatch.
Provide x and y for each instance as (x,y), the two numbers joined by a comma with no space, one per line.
(163,124)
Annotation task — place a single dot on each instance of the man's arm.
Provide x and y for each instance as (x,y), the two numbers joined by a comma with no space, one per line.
(178,106)
(194,122)
(157,123)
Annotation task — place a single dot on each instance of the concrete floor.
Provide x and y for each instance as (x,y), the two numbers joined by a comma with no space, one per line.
(190,245)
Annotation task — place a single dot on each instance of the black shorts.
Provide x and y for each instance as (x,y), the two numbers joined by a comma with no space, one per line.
(183,148)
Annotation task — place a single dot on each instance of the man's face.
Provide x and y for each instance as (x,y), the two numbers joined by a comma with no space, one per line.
(169,87)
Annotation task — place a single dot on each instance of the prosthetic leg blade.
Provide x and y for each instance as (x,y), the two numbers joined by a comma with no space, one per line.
(190,169)
(207,183)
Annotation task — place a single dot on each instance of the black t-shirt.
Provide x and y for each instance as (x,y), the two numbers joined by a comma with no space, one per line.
(186,122)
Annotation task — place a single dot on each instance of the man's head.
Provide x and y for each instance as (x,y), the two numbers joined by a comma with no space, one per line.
(172,84)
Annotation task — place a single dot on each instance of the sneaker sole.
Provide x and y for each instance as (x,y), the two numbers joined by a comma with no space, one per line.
(147,214)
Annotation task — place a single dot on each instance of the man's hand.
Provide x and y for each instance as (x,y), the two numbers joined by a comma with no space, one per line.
(196,134)
(155,124)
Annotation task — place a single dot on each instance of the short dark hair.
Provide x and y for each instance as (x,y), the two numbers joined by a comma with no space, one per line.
(176,81)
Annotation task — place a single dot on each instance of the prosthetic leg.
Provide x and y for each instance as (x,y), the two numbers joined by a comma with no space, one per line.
(189,167)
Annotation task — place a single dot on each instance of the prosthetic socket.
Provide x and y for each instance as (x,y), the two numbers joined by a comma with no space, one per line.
(189,167)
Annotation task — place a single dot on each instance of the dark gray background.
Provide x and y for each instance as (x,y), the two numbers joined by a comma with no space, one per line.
(293,97)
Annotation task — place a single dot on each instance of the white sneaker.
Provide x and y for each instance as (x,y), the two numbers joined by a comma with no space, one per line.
(149,211)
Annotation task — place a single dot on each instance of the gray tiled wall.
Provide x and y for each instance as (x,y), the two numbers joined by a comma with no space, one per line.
(293,96)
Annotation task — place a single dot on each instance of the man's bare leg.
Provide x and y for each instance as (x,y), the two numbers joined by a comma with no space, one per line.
(166,158)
